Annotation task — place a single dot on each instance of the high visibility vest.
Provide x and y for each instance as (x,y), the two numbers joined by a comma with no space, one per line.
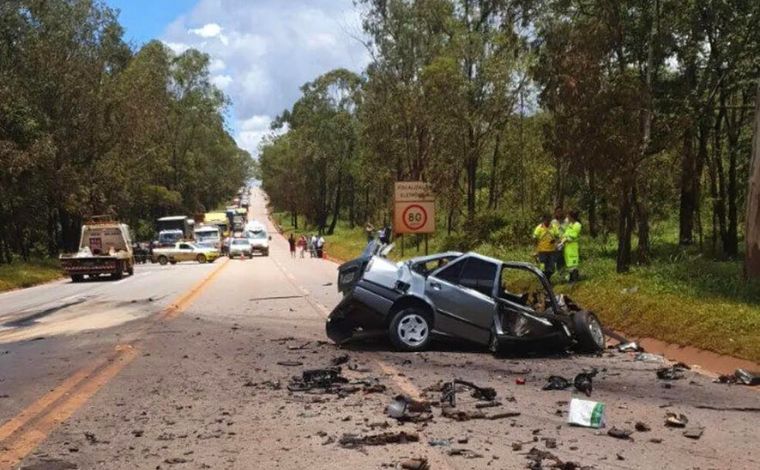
(571,250)
(545,238)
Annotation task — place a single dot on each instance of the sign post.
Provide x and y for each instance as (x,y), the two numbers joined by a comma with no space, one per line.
(413,209)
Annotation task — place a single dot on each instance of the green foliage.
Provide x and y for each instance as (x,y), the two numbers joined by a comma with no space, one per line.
(88,126)
(26,274)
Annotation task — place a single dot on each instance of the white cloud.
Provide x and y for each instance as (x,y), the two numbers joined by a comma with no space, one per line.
(221,81)
(177,47)
(208,30)
(263,51)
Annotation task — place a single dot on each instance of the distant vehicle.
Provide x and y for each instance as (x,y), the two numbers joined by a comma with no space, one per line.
(220,220)
(208,236)
(177,222)
(501,305)
(167,238)
(105,247)
(240,247)
(259,239)
(184,251)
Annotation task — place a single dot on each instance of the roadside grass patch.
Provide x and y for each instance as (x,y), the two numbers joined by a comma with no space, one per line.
(26,274)
(682,296)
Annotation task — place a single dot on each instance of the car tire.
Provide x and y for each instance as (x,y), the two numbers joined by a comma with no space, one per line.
(201,259)
(588,332)
(131,271)
(77,278)
(172,262)
(266,253)
(410,330)
(162,260)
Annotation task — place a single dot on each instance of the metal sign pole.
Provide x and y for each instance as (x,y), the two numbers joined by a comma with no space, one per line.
(426,244)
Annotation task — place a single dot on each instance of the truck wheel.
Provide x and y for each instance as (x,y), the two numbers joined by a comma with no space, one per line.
(162,260)
(410,330)
(77,278)
(201,259)
(588,332)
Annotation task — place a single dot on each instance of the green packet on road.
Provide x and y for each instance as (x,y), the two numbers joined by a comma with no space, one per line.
(586,413)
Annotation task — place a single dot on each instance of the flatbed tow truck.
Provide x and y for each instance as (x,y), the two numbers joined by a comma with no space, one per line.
(105,248)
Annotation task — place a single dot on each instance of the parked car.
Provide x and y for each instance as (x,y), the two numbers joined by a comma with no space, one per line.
(184,251)
(487,301)
(240,247)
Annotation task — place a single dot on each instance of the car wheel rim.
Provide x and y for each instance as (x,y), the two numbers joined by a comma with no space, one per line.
(413,330)
(596,332)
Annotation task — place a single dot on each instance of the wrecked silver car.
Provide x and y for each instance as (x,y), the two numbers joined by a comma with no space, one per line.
(501,305)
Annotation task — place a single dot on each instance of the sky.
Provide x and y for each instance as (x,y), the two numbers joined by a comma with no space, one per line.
(261,51)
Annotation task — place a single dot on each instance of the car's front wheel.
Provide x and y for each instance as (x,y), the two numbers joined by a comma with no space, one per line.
(201,259)
(588,332)
(410,330)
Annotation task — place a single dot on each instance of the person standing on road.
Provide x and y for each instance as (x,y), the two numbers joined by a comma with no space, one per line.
(292,244)
(570,245)
(558,224)
(313,246)
(320,246)
(302,245)
(546,237)
(369,229)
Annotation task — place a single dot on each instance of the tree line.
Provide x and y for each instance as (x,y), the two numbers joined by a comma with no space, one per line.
(635,112)
(90,126)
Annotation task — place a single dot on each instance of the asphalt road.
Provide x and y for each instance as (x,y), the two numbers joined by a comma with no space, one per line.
(186,366)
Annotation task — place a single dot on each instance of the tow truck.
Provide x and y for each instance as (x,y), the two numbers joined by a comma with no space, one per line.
(105,248)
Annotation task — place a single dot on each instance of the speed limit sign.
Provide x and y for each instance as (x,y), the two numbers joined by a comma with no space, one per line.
(414,208)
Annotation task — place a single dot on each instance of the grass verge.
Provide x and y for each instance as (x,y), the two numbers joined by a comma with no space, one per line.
(26,274)
(681,297)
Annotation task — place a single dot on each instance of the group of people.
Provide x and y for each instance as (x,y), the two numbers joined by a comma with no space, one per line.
(314,244)
(557,245)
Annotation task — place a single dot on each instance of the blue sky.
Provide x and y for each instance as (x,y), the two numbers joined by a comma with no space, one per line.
(261,51)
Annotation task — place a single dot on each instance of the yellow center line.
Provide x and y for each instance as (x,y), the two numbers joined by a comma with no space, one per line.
(23,433)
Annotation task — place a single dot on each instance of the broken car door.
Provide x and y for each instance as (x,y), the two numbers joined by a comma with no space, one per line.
(462,293)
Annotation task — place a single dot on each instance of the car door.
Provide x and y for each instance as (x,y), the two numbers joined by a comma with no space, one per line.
(186,252)
(462,293)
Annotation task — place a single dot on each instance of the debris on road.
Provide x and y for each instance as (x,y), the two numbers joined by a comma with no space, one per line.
(464,415)
(630,347)
(648,357)
(586,413)
(405,408)
(694,432)
(642,427)
(415,464)
(583,382)
(340,360)
(324,379)
(556,382)
(674,420)
(449,391)
(537,456)
(466,453)
(439,442)
(619,433)
(741,377)
(299,347)
(353,441)
(289,363)
(674,372)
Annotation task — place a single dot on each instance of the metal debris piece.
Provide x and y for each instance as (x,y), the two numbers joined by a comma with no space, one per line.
(674,420)
(405,408)
(353,441)
(415,464)
(462,415)
(466,453)
(439,442)
(325,379)
(556,382)
(648,357)
(694,432)
(741,377)
(674,372)
(619,433)
(583,382)
(449,391)
(642,427)
(630,347)
(290,363)
(490,404)
(342,359)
